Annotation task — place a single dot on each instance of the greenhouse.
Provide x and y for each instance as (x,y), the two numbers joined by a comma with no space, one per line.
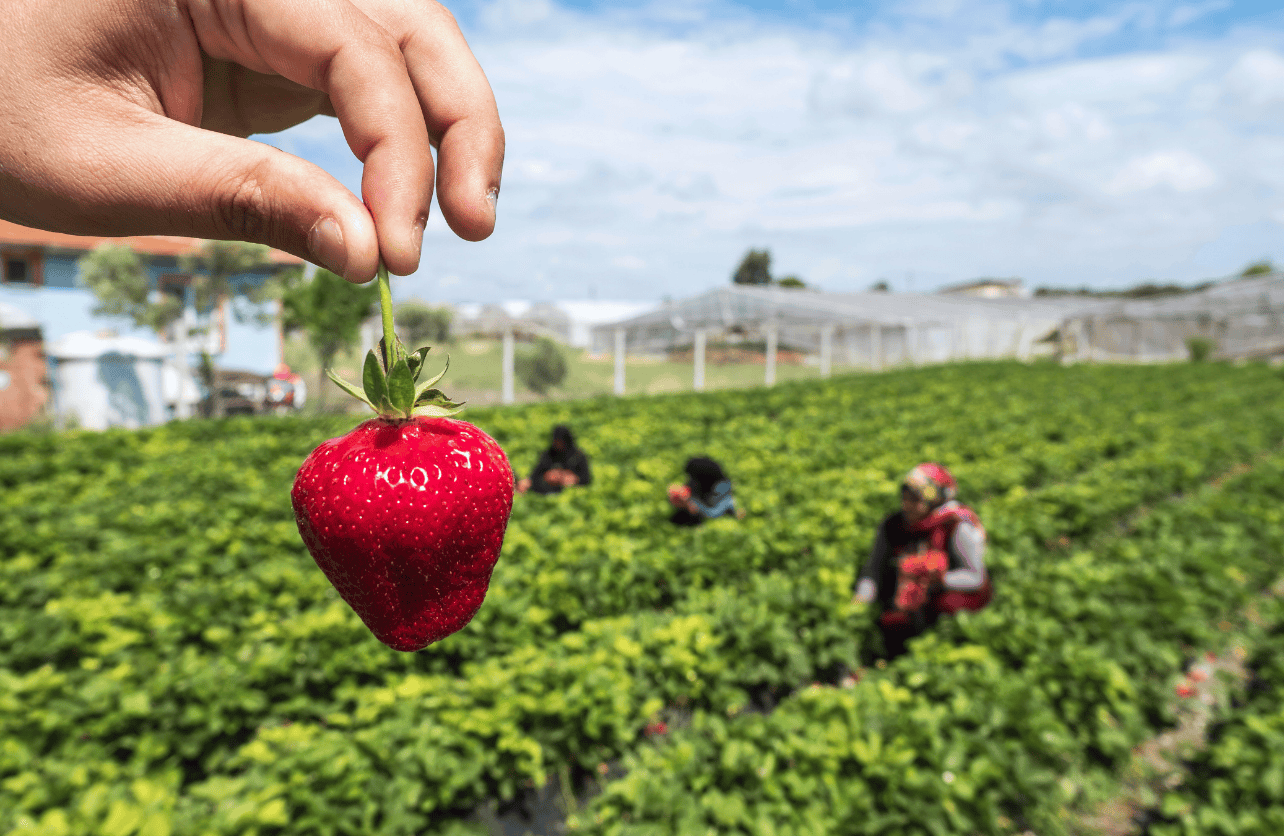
(864,330)
(1240,318)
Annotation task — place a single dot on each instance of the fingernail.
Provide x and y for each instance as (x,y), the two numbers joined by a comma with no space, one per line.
(417,234)
(325,241)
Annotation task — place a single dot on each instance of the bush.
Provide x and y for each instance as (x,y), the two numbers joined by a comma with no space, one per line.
(423,325)
(543,368)
(1200,348)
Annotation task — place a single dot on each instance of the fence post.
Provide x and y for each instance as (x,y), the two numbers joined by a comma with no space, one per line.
(826,349)
(506,394)
(697,381)
(619,361)
(773,337)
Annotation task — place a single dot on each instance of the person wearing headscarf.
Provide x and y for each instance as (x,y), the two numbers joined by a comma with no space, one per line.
(562,465)
(706,494)
(928,559)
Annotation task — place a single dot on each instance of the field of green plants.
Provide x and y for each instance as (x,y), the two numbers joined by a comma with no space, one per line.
(172,661)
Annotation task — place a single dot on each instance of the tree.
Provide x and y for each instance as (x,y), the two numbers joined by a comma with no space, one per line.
(120,282)
(880,286)
(792,282)
(1258,268)
(329,310)
(543,368)
(116,276)
(422,324)
(754,269)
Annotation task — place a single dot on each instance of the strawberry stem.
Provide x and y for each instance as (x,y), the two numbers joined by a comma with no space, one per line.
(390,383)
(385,307)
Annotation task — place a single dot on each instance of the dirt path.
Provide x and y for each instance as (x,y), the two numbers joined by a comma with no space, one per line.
(1200,697)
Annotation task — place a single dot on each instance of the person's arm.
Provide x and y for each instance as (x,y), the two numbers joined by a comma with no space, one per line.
(131,118)
(968,544)
(543,466)
(867,581)
(720,501)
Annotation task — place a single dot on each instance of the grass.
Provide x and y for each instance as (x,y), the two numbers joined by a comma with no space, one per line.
(474,374)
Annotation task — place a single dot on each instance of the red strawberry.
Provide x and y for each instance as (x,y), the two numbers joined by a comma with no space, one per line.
(406,519)
(406,513)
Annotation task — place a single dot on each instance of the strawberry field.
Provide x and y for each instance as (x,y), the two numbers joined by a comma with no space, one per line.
(172,661)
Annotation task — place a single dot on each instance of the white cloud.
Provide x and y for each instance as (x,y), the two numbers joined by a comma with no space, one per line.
(944,145)
(1180,171)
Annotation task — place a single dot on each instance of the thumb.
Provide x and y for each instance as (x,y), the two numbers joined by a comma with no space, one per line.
(167,177)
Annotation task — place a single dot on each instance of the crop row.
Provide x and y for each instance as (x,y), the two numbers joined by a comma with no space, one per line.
(975,730)
(1235,787)
(174,657)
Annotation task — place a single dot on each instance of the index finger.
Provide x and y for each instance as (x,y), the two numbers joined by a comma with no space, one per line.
(461,115)
(334,47)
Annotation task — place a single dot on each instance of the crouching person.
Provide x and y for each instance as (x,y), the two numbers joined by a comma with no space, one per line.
(928,560)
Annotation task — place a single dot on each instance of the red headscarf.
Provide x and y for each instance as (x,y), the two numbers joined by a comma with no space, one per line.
(932,483)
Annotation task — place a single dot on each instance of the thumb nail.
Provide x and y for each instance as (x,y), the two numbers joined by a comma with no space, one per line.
(325,242)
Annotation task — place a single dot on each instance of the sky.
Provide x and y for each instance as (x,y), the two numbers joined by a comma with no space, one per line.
(922,143)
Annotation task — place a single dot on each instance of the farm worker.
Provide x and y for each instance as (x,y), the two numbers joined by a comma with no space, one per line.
(928,559)
(706,494)
(562,465)
(130,118)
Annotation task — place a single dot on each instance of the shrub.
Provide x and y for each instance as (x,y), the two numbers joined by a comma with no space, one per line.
(543,368)
(1200,348)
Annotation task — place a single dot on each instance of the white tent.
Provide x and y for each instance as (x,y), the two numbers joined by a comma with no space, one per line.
(1242,318)
(101,382)
(870,330)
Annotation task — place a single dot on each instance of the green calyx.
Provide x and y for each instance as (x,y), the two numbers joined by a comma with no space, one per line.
(390,383)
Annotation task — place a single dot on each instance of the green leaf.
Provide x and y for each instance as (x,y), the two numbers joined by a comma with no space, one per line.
(415,360)
(427,384)
(375,383)
(435,397)
(434,411)
(350,389)
(401,387)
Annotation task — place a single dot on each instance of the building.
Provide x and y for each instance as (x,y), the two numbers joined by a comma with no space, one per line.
(988,289)
(40,275)
(24,388)
(102,381)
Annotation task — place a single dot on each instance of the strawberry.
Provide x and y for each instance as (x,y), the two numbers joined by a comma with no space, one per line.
(406,513)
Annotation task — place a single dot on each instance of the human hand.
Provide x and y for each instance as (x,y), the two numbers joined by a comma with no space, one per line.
(523,485)
(679,496)
(129,118)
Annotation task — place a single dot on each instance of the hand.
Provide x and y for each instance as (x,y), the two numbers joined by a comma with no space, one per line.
(561,477)
(129,118)
(523,485)
(679,496)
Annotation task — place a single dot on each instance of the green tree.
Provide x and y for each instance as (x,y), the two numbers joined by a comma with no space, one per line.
(754,269)
(1259,268)
(542,368)
(792,282)
(329,311)
(422,324)
(118,279)
(213,269)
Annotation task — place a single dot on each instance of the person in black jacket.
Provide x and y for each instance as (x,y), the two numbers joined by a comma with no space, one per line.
(706,495)
(562,465)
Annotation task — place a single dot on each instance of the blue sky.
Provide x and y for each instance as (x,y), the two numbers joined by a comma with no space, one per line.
(922,143)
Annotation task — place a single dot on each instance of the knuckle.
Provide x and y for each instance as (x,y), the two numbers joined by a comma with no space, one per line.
(243,207)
